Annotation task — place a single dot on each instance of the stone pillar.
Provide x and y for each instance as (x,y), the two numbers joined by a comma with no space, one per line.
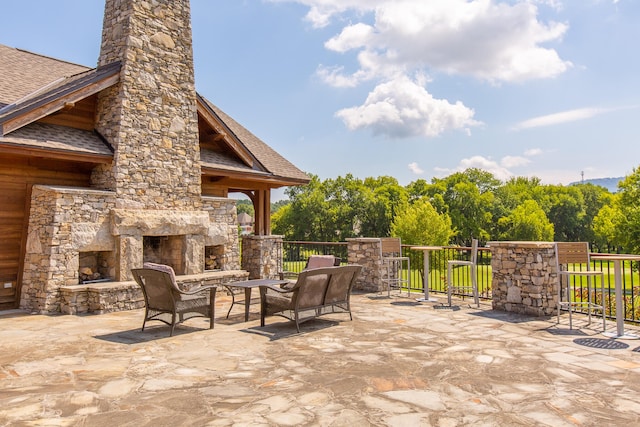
(365,251)
(262,256)
(524,277)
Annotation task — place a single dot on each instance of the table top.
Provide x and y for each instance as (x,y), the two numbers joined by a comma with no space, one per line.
(254,283)
(614,257)
(426,248)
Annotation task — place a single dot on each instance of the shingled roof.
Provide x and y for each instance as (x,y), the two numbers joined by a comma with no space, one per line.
(29,81)
(23,73)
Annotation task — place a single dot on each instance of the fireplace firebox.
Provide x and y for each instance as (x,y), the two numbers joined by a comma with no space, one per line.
(167,250)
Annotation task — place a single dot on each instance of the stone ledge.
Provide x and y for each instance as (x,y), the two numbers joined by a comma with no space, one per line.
(106,297)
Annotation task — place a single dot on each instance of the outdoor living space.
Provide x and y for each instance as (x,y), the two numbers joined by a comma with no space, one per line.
(399,362)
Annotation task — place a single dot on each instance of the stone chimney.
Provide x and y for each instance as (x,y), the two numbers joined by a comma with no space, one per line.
(150,116)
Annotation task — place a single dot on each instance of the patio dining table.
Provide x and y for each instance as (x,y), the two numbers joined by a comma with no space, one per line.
(248,285)
(620,307)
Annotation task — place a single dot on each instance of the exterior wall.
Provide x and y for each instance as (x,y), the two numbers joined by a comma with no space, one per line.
(63,221)
(524,277)
(262,256)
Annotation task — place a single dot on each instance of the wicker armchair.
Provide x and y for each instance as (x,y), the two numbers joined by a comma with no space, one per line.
(317,292)
(166,302)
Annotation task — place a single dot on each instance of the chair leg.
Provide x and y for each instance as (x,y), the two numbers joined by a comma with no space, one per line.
(474,283)
(449,279)
(173,323)
(589,298)
(212,309)
(570,305)
(604,325)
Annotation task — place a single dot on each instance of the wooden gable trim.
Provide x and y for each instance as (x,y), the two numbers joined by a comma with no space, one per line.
(252,179)
(57,104)
(227,135)
(55,154)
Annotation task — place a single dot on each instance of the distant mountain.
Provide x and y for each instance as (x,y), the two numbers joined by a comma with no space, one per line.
(610,184)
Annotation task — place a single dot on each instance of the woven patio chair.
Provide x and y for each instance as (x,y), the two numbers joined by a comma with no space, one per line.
(166,302)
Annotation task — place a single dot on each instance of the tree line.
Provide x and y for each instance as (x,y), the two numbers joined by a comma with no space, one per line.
(462,206)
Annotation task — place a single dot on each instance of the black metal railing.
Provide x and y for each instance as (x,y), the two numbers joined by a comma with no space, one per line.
(296,253)
(438,269)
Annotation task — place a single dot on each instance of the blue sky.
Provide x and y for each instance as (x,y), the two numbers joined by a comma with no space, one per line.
(407,88)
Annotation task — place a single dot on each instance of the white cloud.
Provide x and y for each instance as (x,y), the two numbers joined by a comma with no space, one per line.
(402,108)
(559,118)
(533,152)
(493,41)
(501,170)
(322,11)
(413,167)
(514,161)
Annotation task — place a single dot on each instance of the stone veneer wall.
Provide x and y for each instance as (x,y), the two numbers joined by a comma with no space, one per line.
(99,298)
(150,115)
(223,229)
(262,256)
(524,277)
(63,221)
(365,251)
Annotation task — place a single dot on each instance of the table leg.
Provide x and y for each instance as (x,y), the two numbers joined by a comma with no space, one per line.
(426,280)
(617,270)
(247,302)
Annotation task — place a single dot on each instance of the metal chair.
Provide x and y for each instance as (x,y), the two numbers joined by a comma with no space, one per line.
(577,253)
(392,265)
(473,271)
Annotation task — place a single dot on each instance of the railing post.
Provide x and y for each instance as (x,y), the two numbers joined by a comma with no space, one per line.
(524,277)
(365,251)
(262,256)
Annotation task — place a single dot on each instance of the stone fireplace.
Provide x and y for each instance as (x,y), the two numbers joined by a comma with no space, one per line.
(147,204)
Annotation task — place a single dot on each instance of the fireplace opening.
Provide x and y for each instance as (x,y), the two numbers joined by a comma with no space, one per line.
(168,250)
(214,257)
(98,266)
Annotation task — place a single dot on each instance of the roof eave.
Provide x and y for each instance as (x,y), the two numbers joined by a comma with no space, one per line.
(58,98)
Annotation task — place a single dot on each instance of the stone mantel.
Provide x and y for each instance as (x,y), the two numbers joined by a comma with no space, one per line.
(158,222)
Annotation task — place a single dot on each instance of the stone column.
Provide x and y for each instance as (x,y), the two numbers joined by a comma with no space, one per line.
(262,256)
(524,277)
(365,251)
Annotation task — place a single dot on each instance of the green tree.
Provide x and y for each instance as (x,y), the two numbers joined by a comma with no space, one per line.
(246,206)
(595,198)
(628,222)
(527,222)
(421,224)
(469,196)
(566,210)
(307,216)
(605,228)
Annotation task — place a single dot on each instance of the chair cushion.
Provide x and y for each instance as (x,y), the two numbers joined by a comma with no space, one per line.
(319,261)
(159,267)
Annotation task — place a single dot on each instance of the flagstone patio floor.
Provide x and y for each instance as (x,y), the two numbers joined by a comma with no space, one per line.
(398,363)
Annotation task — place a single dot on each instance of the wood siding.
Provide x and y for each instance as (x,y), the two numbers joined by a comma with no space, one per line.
(17,175)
